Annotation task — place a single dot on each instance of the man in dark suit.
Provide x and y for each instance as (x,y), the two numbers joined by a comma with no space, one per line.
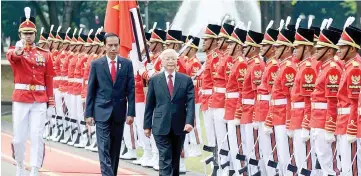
(171,98)
(110,87)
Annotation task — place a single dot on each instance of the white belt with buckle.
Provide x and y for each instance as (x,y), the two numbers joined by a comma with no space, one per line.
(70,79)
(248,101)
(232,95)
(220,89)
(29,87)
(77,80)
(65,78)
(298,105)
(57,78)
(207,92)
(343,111)
(277,102)
(86,82)
(263,97)
(318,105)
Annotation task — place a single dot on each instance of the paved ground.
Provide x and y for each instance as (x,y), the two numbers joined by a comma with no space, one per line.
(63,160)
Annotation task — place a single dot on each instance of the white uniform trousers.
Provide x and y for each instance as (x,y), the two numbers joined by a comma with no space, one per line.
(80,114)
(265,147)
(29,119)
(193,139)
(66,122)
(283,150)
(324,151)
(129,136)
(221,132)
(73,111)
(301,150)
(347,152)
(143,141)
(248,140)
(235,146)
(59,105)
(209,124)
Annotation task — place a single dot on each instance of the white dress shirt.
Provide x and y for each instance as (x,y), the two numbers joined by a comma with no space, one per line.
(173,77)
(110,64)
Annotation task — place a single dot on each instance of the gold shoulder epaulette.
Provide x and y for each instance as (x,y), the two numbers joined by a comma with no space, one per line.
(333,64)
(240,59)
(274,62)
(308,64)
(256,60)
(355,64)
(288,63)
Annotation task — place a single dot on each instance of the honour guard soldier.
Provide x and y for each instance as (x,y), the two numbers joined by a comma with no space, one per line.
(43,40)
(57,48)
(143,141)
(66,86)
(348,93)
(266,141)
(280,106)
(209,46)
(235,49)
(252,79)
(156,42)
(220,69)
(83,56)
(32,96)
(97,52)
(193,65)
(303,86)
(324,101)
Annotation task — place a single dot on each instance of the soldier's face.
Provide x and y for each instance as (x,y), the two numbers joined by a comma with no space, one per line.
(56,45)
(169,46)
(112,46)
(65,45)
(279,50)
(207,44)
(267,51)
(29,37)
(344,51)
(297,54)
(320,53)
(222,44)
(153,45)
(230,48)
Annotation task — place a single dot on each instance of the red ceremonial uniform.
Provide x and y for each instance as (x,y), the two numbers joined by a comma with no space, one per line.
(324,97)
(252,79)
(181,65)
(56,63)
(241,70)
(300,95)
(264,89)
(78,73)
(63,57)
(193,65)
(139,88)
(32,69)
(73,59)
(153,59)
(86,74)
(232,93)
(213,68)
(220,79)
(348,93)
(280,111)
(64,72)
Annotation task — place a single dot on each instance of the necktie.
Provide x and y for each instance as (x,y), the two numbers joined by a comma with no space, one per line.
(113,71)
(170,85)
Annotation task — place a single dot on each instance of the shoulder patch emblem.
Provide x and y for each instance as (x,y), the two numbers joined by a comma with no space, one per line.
(355,79)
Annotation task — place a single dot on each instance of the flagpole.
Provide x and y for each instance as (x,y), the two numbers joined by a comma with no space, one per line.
(136,37)
(143,35)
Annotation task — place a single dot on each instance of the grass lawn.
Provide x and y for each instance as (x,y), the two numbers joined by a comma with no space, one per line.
(7,84)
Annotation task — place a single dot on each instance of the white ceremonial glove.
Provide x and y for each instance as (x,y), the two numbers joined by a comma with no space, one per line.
(255,125)
(141,70)
(151,73)
(236,122)
(290,133)
(305,135)
(350,138)
(150,66)
(50,111)
(194,82)
(329,137)
(19,47)
(267,129)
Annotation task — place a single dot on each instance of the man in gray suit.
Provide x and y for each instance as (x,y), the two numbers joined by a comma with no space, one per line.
(171,98)
(110,87)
